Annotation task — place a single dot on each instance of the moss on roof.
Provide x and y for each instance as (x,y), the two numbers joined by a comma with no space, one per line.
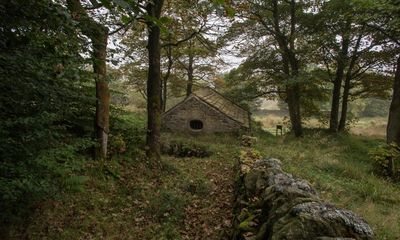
(223,105)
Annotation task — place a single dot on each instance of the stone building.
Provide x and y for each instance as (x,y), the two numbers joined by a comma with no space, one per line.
(206,111)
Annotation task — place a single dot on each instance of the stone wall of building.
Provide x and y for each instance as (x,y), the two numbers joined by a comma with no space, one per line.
(272,204)
(178,118)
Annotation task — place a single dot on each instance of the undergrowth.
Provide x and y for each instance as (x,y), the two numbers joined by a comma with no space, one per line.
(192,198)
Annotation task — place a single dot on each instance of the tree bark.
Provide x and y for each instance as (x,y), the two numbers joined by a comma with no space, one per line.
(189,85)
(294,90)
(293,100)
(166,77)
(393,128)
(98,34)
(346,90)
(290,66)
(345,102)
(154,85)
(337,84)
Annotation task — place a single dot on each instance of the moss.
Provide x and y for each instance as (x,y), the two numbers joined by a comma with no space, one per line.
(248,225)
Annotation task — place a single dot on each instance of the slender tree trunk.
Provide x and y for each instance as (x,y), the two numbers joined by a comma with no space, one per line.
(337,84)
(166,77)
(345,102)
(164,94)
(154,85)
(98,34)
(347,81)
(189,85)
(102,94)
(393,128)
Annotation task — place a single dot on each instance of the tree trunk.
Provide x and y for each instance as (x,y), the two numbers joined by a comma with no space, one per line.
(189,85)
(393,128)
(102,94)
(337,84)
(346,90)
(98,34)
(293,100)
(290,65)
(345,101)
(164,94)
(166,77)
(154,86)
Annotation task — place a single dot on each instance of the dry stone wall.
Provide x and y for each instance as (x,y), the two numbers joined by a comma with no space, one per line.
(272,204)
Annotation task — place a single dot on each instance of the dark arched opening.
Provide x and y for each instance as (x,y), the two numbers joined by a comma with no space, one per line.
(196,124)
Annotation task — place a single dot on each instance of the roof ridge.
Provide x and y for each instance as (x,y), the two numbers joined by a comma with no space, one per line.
(221,95)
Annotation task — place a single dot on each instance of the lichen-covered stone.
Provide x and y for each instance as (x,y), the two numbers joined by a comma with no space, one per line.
(291,208)
(268,163)
(342,219)
(333,238)
(251,179)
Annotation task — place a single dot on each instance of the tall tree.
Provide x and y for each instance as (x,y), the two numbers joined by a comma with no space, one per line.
(337,83)
(189,34)
(98,35)
(381,16)
(393,128)
(153,10)
(334,41)
(280,26)
(346,52)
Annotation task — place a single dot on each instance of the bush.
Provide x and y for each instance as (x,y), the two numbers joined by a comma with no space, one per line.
(47,106)
(166,204)
(186,149)
(386,158)
(128,130)
(25,183)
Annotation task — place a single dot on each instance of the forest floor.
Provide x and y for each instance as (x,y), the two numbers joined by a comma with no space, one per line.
(192,197)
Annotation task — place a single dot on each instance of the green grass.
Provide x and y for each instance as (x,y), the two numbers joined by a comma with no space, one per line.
(193,197)
(342,172)
(124,199)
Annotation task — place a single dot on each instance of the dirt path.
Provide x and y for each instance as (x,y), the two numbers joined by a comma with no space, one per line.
(209,215)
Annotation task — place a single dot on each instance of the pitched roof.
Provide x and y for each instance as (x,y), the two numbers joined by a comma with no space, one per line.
(223,105)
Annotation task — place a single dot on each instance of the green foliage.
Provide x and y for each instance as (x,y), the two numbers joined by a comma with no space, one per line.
(46,105)
(196,186)
(166,205)
(127,131)
(375,108)
(186,149)
(383,157)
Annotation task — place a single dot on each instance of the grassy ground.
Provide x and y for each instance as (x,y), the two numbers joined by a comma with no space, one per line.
(192,197)
(340,169)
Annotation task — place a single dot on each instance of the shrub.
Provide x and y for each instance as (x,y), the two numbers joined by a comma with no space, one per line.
(117,144)
(186,149)
(166,204)
(196,187)
(386,157)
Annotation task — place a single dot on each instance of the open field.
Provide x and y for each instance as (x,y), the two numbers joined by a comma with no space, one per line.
(369,127)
